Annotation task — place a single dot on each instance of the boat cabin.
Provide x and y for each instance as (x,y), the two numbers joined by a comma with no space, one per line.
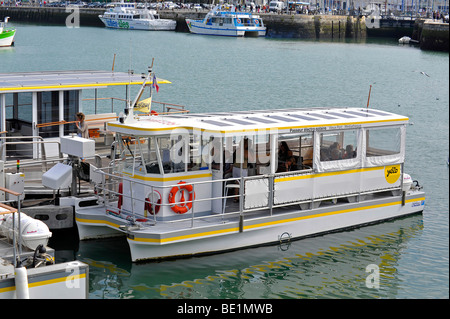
(39,104)
(268,158)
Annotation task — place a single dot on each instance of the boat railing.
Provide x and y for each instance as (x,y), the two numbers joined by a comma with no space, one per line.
(265,202)
(23,154)
(165,107)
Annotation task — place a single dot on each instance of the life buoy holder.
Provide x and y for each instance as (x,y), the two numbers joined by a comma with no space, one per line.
(181,208)
(153,112)
(148,203)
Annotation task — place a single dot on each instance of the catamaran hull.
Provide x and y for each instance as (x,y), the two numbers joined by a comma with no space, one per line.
(198,27)
(149,25)
(7,38)
(207,239)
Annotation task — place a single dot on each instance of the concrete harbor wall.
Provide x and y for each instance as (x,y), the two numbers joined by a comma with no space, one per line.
(431,35)
(278,25)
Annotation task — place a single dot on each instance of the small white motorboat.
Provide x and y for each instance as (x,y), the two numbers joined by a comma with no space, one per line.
(6,34)
(404,40)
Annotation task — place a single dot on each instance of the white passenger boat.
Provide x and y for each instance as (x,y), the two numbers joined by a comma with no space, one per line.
(6,34)
(125,15)
(220,21)
(190,184)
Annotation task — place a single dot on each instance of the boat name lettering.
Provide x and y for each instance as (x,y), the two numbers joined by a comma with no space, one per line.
(162,121)
(415,204)
(324,128)
(123,25)
(393,170)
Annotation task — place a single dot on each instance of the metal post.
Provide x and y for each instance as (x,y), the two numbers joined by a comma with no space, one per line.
(95,101)
(18,226)
(192,207)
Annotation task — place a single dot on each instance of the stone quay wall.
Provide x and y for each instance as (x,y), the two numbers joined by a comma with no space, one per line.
(278,25)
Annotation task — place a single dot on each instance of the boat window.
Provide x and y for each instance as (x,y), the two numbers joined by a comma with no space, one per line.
(338,145)
(147,149)
(295,152)
(172,152)
(71,106)
(48,111)
(198,152)
(383,141)
(129,155)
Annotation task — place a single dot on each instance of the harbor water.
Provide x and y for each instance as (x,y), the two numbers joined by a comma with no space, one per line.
(404,258)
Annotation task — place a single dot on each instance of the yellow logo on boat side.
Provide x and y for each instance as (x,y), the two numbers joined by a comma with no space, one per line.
(392,173)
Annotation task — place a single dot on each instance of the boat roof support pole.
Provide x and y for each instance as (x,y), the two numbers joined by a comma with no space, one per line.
(2,120)
(273,152)
(61,113)
(34,120)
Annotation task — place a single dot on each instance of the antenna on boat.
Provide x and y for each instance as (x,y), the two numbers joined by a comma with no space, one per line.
(368,99)
(130,107)
(114,61)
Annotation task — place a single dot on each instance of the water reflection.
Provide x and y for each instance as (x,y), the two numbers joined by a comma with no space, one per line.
(329,266)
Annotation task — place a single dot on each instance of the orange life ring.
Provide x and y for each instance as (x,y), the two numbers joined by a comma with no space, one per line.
(256,21)
(148,204)
(153,112)
(181,208)
(238,21)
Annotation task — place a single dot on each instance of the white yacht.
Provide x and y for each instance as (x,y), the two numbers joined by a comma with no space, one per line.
(128,16)
(224,22)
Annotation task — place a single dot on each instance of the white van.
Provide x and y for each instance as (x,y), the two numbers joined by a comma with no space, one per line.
(276,6)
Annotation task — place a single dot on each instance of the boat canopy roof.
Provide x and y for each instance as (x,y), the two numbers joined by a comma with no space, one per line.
(296,120)
(67,80)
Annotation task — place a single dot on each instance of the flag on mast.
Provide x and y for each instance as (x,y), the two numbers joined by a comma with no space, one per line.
(155,84)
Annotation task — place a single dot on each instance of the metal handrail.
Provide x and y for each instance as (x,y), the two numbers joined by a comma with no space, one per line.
(271,177)
(31,142)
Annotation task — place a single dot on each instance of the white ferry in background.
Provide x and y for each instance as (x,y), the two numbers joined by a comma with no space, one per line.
(189,184)
(223,22)
(126,15)
(6,34)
